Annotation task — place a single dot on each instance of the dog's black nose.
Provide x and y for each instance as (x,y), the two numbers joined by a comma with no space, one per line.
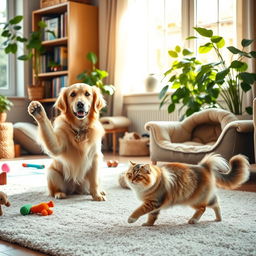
(80,104)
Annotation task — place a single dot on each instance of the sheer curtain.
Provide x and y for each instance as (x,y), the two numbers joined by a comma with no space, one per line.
(246,28)
(122,46)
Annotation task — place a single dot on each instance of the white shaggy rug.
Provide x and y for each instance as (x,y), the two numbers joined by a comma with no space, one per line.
(80,226)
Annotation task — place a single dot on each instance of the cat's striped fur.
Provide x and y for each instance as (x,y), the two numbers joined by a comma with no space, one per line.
(184,184)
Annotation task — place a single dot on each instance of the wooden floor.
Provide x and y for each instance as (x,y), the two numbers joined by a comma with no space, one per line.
(15,250)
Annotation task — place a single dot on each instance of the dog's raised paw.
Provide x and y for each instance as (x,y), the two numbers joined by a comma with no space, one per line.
(36,109)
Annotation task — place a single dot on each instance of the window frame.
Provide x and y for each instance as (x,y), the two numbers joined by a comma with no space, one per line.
(11,65)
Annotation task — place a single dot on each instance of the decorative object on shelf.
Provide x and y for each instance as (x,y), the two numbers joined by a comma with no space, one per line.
(5,105)
(151,83)
(33,49)
(232,79)
(192,84)
(47,3)
(96,76)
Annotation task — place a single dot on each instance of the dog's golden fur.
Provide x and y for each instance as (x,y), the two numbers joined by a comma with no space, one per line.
(74,141)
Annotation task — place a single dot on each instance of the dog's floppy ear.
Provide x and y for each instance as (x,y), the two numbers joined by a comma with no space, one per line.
(61,102)
(98,100)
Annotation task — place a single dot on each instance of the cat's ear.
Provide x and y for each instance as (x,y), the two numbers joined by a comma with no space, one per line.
(132,163)
(146,167)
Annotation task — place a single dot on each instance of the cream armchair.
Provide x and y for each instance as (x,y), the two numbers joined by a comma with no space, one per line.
(211,130)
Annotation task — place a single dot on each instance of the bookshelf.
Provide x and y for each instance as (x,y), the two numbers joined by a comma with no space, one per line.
(77,34)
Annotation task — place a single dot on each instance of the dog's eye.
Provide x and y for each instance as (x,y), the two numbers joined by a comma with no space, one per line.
(87,94)
(73,94)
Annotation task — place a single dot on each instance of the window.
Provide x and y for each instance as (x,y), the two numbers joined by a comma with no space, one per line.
(221,19)
(158,26)
(7,62)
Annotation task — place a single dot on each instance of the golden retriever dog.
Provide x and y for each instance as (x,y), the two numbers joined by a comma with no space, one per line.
(73,141)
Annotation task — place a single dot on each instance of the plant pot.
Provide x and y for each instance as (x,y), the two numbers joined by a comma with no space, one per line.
(35,92)
(3,116)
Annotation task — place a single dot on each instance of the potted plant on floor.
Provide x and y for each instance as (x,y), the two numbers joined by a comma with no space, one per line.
(33,49)
(233,79)
(191,83)
(5,105)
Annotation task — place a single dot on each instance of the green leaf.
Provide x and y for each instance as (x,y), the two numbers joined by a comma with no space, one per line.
(183,79)
(249,110)
(163,91)
(171,108)
(23,57)
(173,54)
(109,89)
(247,77)
(246,42)
(216,39)
(239,65)
(253,54)
(172,78)
(17,27)
(205,48)
(177,48)
(204,32)
(186,52)
(246,87)
(11,48)
(6,33)
(176,85)
(222,74)
(191,37)
(21,39)
(91,56)
(16,20)
(233,49)
(81,76)
(221,43)
(42,24)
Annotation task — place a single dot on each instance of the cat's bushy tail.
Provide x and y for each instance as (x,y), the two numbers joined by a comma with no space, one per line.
(228,176)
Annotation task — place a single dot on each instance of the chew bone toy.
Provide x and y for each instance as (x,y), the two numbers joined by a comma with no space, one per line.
(3,201)
(42,208)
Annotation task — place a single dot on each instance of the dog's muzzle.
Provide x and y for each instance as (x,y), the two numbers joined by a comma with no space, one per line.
(80,110)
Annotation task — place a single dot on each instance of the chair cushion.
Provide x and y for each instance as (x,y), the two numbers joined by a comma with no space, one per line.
(26,135)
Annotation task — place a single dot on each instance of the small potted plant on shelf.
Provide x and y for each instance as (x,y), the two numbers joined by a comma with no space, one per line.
(5,105)
(96,76)
(33,49)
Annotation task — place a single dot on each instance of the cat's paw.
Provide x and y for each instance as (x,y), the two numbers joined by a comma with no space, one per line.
(36,110)
(60,195)
(132,220)
(99,197)
(147,224)
(193,221)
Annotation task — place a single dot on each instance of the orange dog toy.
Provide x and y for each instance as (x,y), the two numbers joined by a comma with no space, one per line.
(42,208)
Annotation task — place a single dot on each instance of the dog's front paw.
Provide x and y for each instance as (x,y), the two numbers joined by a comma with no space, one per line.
(131,219)
(60,195)
(99,197)
(146,224)
(36,110)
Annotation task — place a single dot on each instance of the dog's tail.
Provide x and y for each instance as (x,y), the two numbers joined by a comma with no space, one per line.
(228,176)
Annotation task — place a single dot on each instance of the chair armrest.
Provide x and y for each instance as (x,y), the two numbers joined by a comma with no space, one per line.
(242,126)
(162,130)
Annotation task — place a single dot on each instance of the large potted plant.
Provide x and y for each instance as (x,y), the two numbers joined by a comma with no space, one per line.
(5,105)
(232,78)
(32,47)
(191,83)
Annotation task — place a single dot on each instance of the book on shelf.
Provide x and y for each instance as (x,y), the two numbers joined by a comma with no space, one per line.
(56,24)
(58,83)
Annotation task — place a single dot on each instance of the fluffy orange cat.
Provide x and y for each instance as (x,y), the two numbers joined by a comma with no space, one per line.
(184,184)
